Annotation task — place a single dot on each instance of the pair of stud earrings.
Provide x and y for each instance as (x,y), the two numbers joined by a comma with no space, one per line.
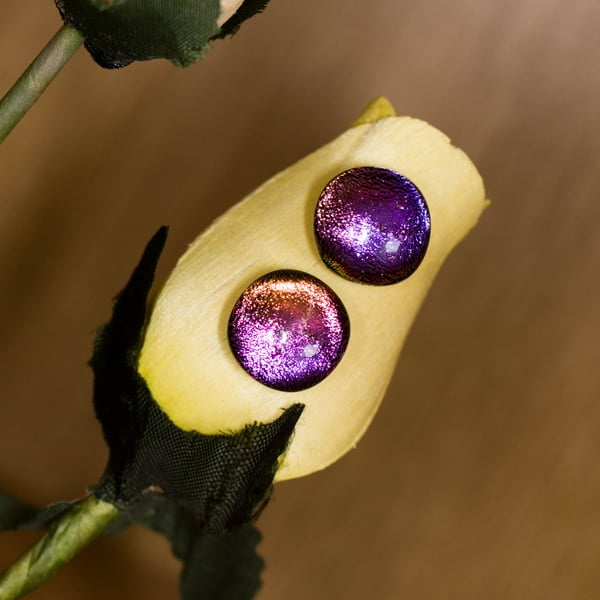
(288,329)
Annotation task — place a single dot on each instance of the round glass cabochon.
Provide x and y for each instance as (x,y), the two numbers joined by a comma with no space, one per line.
(372,225)
(288,330)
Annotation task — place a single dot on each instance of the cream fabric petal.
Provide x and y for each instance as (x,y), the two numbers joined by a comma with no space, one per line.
(186,359)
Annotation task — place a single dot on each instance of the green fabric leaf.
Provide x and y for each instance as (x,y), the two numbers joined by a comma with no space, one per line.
(14,512)
(223,567)
(118,32)
(216,566)
(17,514)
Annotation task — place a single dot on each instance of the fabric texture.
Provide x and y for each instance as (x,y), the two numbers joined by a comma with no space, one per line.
(119,32)
(220,567)
(223,480)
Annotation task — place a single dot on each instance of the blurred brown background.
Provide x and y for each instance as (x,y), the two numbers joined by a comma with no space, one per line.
(479,477)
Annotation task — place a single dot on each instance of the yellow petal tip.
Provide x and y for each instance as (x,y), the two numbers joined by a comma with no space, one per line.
(377,109)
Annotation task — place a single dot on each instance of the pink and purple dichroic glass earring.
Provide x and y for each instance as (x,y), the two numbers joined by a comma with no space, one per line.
(372,225)
(288,330)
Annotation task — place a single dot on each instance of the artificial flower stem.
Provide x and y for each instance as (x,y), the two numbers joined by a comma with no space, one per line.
(32,83)
(66,536)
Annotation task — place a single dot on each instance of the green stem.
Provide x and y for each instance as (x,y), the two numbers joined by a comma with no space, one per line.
(66,536)
(30,86)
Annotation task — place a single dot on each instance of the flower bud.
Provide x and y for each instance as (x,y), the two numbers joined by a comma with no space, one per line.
(228,9)
(119,32)
(186,359)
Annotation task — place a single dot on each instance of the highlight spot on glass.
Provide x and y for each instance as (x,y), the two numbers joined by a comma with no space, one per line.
(372,225)
(288,330)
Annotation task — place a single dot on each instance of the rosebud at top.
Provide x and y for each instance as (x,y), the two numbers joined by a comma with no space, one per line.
(228,9)
(119,32)
(186,359)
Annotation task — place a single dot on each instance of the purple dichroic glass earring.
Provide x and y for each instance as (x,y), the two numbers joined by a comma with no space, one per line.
(372,225)
(288,330)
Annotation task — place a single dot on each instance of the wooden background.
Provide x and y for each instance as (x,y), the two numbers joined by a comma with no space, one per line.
(479,477)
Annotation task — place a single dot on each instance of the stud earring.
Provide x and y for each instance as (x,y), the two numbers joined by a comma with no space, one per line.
(288,330)
(372,225)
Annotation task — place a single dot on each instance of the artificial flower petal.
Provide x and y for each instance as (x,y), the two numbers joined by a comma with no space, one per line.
(186,359)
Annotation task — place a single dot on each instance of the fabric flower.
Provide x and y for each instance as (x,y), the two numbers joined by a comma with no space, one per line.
(119,32)
(185,360)
(196,438)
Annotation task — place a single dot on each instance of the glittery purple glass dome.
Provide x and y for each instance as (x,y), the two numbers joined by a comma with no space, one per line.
(288,330)
(372,225)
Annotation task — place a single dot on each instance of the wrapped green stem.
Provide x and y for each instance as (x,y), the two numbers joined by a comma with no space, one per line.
(65,537)
(32,83)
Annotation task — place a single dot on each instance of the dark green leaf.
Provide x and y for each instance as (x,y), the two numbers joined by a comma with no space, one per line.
(17,514)
(14,512)
(219,567)
(118,32)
